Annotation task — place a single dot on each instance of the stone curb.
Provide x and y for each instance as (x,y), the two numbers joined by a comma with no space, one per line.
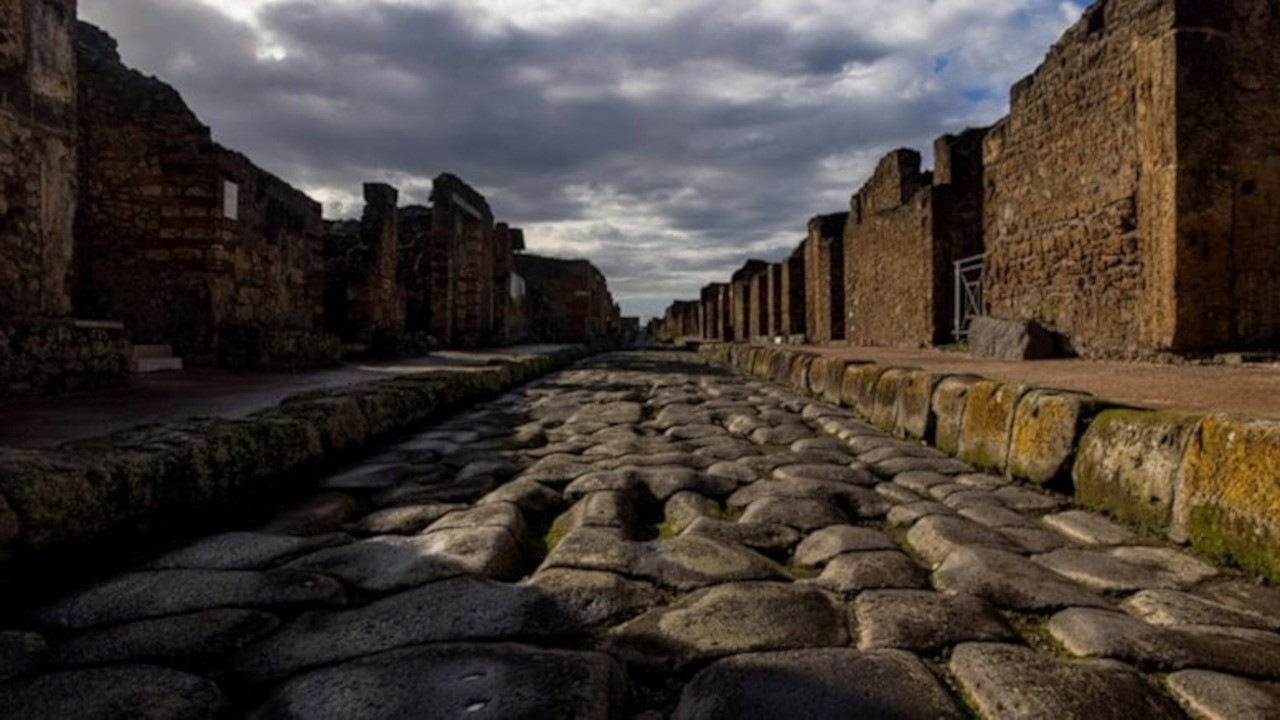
(85,491)
(1209,480)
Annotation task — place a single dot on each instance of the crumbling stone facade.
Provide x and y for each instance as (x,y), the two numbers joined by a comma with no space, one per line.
(758,287)
(681,322)
(824,287)
(773,292)
(1133,193)
(510,309)
(186,242)
(741,302)
(365,296)
(792,296)
(712,319)
(461,264)
(569,300)
(905,229)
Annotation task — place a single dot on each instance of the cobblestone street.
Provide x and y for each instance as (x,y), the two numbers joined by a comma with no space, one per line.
(647,536)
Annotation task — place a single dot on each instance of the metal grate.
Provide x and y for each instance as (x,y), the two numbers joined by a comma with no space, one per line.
(968,294)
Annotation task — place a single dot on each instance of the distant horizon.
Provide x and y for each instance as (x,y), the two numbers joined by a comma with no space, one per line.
(666,145)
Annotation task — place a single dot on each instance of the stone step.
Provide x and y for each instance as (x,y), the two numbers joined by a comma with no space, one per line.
(139,365)
(152,351)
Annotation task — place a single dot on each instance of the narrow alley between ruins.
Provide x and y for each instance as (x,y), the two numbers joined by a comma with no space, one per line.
(644,535)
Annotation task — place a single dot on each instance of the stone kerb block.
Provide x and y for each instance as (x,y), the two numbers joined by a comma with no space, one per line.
(949,401)
(916,419)
(833,383)
(986,424)
(1046,428)
(1010,339)
(818,376)
(782,369)
(1128,465)
(858,390)
(1228,504)
(800,373)
(889,387)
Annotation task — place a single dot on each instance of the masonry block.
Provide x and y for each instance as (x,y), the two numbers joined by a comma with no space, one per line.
(1127,465)
(915,417)
(889,387)
(833,383)
(986,424)
(949,401)
(1046,427)
(1229,501)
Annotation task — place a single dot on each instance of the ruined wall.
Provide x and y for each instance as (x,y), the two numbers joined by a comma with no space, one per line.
(569,300)
(178,237)
(773,291)
(712,327)
(37,156)
(741,301)
(461,264)
(510,309)
(758,286)
(792,293)
(365,298)
(906,228)
(413,270)
(824,284)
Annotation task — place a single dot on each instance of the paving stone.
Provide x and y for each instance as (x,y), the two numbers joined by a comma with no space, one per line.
(197,639)
(139,595)
(1120,571)
(1028,501)
(908,514)
(404,519)
(896,493)
(731,619)
(391,562)
(608,509)
(802,514)
(1217,696)
(454,681)
(687,562)
(129,691)
(19,651)
(817,443)
(857,501)
(766,464)
(937,536)
(901,450)
(731,470)
(859,441)
(781,435)
(557,470)
(494,515)
(531,497)
(1244,596)
(816,685)
(320,515)
(823,545)
(1010,582)
(925,621)
(896,466)
(244,551)
(1010,681)
(684,508)
(983,481)
(463,608)
(661,481)
(1087,528)
(727,449)
(769,539)
(962,499)
(1095,633)
(872,570)
(993,516)
(464,491)
(694,431)
(592,598)
(826,473)
(1172,607)
(921,481)
(1034,540)
(368,476)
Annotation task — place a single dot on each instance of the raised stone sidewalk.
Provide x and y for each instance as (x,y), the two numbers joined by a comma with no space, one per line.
(1208,479)
(647,536)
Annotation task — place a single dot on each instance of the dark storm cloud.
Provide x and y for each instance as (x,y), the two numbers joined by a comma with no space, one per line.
(648,147)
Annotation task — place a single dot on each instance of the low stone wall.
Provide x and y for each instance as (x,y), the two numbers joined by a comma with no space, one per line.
(1212,481)
(85,492)
(44,357)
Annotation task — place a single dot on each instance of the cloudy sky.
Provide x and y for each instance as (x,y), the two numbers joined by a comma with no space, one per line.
(665,140)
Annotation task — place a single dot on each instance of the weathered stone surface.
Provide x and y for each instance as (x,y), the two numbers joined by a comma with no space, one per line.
(823,545)
(607,508)
(493,515)
(322,514)
(686,562)
(592,598)
(1046,427)
(769,539)
(820,684)
(19,651)
(922,481)
(1123,569)
(1224,507)
(987,424)
(859,501)
(949,401)
(243,551)
(135,596)
(1128,465)
(1087,528)
(1095,633)
(684,508)
(482,681)
(134,691)
(531,497)
(197,639)
(1023,500)
(380,564)
(730,619)
(1010,581)
(1216,696)
(937,536)
(1243,596)
(1008,681)
(828,473)
(802,514)
(892,467)
(872,570)
(1010,339)
(909,514)
(925,621)
(1172,607)
(405,519)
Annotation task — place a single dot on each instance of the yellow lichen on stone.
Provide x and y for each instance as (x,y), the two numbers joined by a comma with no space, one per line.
(915,405)
(987,419)
(949,400)
(1046,426)
(1229,499)
(884,408)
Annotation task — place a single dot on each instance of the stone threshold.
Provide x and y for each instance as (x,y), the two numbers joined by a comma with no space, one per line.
(134,485)
(1209,480)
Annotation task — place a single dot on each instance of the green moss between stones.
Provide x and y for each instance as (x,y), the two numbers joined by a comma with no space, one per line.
(1214,534)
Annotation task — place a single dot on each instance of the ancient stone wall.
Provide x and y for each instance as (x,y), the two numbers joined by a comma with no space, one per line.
(178,237)
(414,268)
(792,295)
(906,228)
(461,264)
(569,300)
(37,156)
(365,297)
(712,327)
(741,301)
(773,291)
(824,285)
(758,287)
(510,310)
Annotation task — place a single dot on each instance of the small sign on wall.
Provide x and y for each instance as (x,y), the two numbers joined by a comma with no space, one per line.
(230,200)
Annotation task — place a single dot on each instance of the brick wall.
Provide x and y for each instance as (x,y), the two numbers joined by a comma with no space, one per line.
(758,285)
(824,286)
(569,300)
(793,295)
(741,302)
(461,265)
(365,295)
(37,156)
